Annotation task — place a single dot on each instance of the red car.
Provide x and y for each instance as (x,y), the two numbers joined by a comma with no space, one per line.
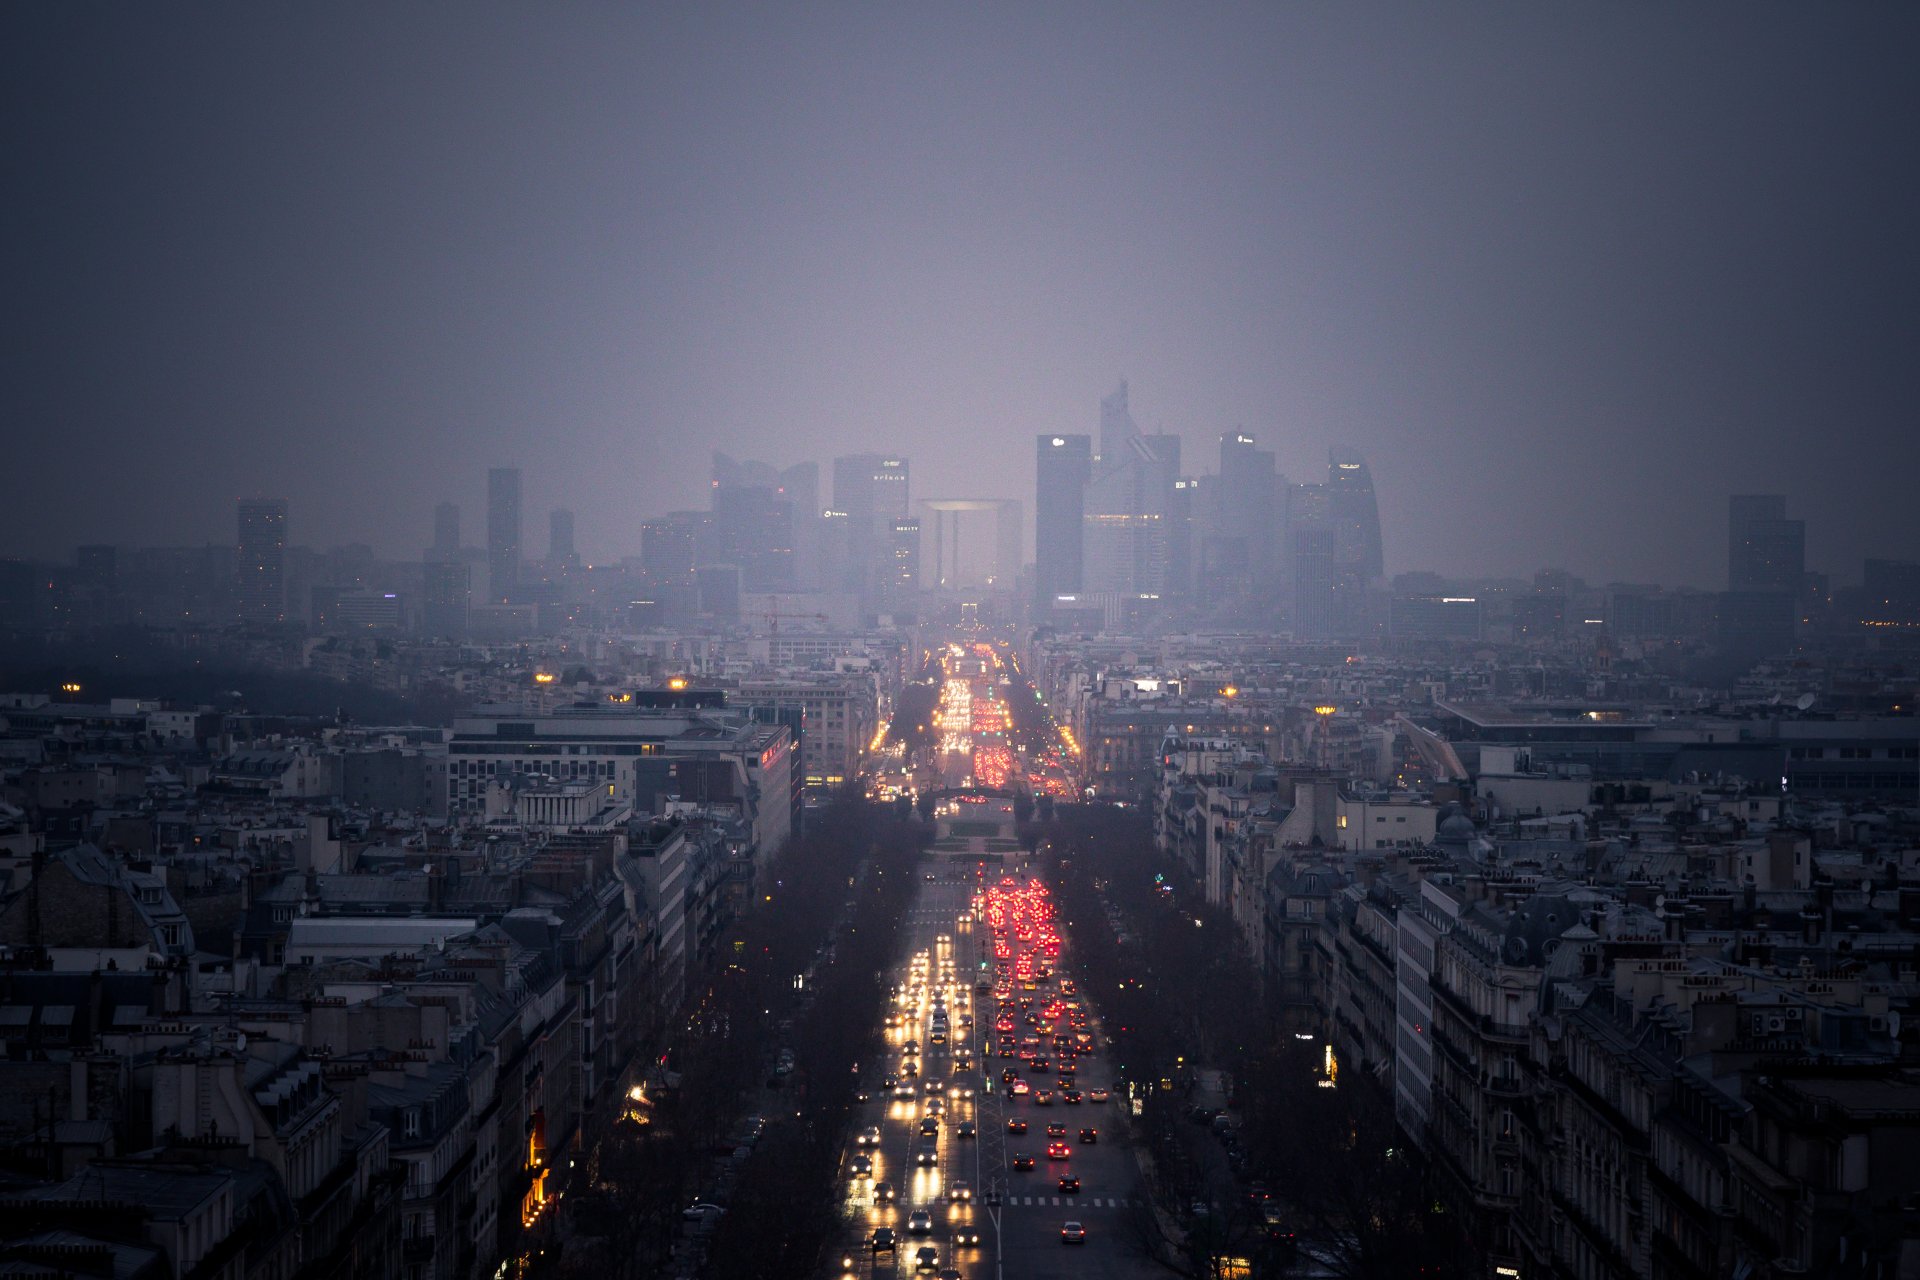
(1057,1151)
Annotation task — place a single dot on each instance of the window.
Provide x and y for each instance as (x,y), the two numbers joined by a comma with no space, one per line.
(410,1123)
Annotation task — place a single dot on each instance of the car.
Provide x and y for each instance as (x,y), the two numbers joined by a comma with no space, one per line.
(1097,1095)
(926,1258)
(929,1126)
(935,1106)
(883,1193)
(1070,1096)
(965,1130)
(966,1238)
(882,1240)
(1089,1135)
(919,1223)
(862,1167)
(959,1192)
(1043,1098)
(869,1136)
(1072,1233)
(1020,1089)
(1022,1161)
(1016,1125)
(1057,1151)
(926,1158)
(1069,1185)
(1056,1131)
(933,1087)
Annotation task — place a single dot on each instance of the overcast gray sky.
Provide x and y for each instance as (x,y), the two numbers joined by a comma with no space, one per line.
(1566,274)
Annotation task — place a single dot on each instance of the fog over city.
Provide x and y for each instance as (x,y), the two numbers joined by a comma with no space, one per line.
(1566,277)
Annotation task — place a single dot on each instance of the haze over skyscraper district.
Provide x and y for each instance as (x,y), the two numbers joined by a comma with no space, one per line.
(725,642)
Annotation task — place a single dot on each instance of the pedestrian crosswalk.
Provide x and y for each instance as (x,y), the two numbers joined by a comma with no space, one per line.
(1074,1202)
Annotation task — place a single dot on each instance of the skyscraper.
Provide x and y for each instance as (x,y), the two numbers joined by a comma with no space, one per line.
(1124,520)
(669,555)
(1766,570)
(448,595)
(1062,467)
(503,534)
(1242,540)
(560,553)
(1356,518)
(1310,551)
(260,563)
(446,532)
(872,489)
(763,521)
(903,577)
(1765,550)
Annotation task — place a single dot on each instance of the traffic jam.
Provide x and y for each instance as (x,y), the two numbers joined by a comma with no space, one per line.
(1018,1029)
(1041,1032)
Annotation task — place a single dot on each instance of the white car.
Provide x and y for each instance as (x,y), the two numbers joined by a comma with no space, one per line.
(919,1223)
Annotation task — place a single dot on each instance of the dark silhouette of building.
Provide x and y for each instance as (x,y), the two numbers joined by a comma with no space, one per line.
(260,563)
(1766,572)
(1062,467)
(871,488)
(1125,520)
(1355,514)
(560,552)
(763,521)
(1765,550)
(447,598)
(446,532)
(503,534)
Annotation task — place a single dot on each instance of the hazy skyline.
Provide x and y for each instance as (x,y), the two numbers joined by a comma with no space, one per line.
(1566,277)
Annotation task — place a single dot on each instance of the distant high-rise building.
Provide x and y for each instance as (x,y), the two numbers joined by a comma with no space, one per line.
(1124,521)
(1356,519)
(260,563)
(903,580)
(1180,536)
(764,520)
(1314,603)
(447,599)
(1116,423)
(446,532)
(872,489)
(1765,550)
(669,555)
(503,534)
(560,552)
(1242,539)
(1310,561)
(1890,596)
(1766,571)
(1062,467)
